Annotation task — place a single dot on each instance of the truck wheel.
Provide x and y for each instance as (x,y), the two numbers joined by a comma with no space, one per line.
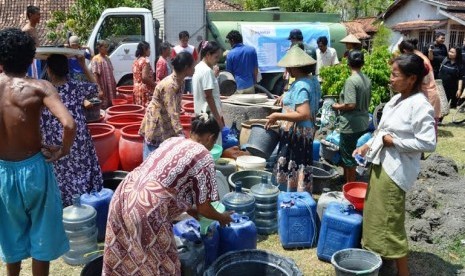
(126,81)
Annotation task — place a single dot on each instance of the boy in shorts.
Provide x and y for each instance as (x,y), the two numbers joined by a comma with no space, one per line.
(30,204)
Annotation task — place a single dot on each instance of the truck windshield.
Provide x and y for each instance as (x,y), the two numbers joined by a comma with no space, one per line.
(120,29)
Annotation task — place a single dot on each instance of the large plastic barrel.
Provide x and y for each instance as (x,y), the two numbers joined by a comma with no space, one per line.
(127,92)
(106,146)
(125,109)
(352,261)
(253,263)
(131,147)
(122,120)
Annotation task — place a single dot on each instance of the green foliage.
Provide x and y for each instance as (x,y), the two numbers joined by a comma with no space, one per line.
(349,8)
(82,16)
(376,68)
(286,5)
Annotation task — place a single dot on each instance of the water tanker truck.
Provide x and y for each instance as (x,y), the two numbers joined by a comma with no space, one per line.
(267,31)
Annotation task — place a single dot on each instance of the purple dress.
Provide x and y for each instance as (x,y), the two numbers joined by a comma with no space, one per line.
(79,171)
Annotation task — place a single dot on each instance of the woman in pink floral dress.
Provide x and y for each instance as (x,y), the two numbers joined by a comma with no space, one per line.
(180,173)
(103,72)
(144,81)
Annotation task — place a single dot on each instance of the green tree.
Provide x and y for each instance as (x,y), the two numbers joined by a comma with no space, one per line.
(285,5)
(82,16)
(376,68)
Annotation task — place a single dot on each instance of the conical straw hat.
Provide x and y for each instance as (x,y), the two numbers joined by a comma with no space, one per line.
(351,39)
(296,57)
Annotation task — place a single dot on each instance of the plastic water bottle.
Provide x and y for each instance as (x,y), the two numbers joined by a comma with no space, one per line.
(362,162)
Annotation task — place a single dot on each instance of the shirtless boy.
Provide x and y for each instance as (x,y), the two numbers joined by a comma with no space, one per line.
(30,203)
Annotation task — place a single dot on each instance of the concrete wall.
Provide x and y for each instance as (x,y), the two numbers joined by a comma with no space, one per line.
(413,10)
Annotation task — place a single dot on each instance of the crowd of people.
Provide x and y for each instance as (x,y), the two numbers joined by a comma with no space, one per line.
(46,143)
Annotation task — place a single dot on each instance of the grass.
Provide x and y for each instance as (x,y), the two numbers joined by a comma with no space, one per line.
(451,143)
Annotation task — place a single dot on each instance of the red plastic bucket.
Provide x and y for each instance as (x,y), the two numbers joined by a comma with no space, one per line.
(131,147)
(106,145)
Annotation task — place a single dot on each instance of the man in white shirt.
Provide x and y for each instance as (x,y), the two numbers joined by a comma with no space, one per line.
(325,56)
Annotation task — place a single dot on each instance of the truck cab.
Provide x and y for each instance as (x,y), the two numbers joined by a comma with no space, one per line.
(124,28)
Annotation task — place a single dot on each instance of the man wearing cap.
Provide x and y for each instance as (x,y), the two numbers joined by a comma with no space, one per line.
(76,71)
(295,36)
(352,43)
(242,62)
(325,56)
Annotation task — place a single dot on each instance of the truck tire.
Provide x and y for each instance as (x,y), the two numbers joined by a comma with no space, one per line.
(126,80)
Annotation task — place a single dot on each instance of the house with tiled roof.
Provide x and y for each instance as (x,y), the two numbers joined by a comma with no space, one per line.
(13,14)
(364,28)
(422,18)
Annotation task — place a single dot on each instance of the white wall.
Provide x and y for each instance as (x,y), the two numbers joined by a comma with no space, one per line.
(413,10)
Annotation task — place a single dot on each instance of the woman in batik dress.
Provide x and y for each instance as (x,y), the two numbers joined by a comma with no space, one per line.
(79,171)
(161,120)
(102,69)
(180,173)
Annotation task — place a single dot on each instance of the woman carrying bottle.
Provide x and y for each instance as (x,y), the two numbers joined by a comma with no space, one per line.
(405,131)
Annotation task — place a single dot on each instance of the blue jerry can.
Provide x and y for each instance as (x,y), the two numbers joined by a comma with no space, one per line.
(341,228)
(101,202)
(297,219)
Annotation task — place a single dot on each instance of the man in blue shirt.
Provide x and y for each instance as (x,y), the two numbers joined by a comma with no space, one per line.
(75,70)
(242,62)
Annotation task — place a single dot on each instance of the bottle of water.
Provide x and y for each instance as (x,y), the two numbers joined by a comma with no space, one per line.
(362,162)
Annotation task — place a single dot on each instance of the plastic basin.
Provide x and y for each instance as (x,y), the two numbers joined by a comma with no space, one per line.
(248,179)
(216,151)
(247,162)
(355,193)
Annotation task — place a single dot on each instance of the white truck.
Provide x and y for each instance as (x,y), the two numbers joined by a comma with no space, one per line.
(267,31)
(125,27)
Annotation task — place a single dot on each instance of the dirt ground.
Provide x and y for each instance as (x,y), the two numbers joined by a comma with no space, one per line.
(435,225)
